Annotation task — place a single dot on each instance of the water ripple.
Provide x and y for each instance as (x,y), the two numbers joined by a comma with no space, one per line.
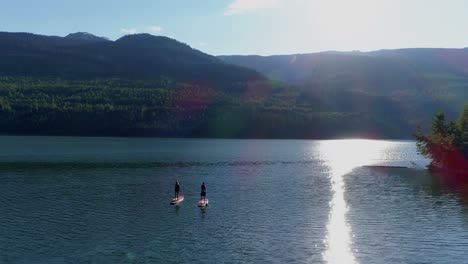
(64,165)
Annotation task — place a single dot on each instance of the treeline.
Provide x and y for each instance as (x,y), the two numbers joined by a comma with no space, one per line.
(446,144)
(119,107)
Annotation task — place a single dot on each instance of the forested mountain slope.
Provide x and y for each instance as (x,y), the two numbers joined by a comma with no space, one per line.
(143,85)
(140,56)
(419,81)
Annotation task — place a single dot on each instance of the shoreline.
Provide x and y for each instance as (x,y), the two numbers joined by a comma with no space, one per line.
(207,137)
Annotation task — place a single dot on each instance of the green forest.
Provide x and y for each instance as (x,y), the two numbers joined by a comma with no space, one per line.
(117,107)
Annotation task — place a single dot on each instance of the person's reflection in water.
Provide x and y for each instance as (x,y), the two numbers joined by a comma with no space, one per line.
(203,212)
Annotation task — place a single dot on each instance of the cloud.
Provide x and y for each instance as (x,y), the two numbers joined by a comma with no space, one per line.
(246,6)
(129,30)
(155,29)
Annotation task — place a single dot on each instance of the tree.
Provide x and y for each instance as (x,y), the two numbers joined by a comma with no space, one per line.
(438,125)
(445,144)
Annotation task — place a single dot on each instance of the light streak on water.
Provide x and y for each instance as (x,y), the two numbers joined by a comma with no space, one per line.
(342,156)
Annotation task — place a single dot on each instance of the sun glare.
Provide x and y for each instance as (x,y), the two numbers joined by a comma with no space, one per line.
(344,20)
(342,156)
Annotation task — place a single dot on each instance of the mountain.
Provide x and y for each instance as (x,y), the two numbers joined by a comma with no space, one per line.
(144,85)
(303,68)
(137,85)
(419,82)
(140,56)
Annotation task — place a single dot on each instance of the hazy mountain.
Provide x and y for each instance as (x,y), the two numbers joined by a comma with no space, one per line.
(418,81)
(383,70)
(85,36)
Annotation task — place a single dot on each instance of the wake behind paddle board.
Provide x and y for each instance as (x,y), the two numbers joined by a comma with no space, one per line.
(203,203)
(176,201)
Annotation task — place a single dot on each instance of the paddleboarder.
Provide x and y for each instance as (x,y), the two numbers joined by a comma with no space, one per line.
(203,191)
(177,189)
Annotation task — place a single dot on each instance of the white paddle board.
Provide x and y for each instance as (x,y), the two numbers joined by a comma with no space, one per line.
(176,201)
(203,203)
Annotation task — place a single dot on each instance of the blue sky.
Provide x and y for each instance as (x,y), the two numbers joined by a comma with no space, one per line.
(253,26)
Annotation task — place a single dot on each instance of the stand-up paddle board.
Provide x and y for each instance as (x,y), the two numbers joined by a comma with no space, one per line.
(176,201)
(203,203)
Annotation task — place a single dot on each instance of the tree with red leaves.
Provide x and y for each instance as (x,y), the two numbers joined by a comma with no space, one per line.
(446,144)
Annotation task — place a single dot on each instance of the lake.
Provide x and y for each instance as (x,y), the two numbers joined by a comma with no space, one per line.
(106,200)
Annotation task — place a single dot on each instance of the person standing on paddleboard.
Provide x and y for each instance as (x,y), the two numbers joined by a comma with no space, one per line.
(177,189)
(203,191)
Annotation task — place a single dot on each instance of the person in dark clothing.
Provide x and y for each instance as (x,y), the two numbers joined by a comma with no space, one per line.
(203,191)
(177,189)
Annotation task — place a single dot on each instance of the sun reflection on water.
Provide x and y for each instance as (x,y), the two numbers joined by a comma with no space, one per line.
(342,156)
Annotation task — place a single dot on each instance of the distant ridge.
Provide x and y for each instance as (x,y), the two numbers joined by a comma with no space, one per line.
(138,56)
(423,80)
(85,36)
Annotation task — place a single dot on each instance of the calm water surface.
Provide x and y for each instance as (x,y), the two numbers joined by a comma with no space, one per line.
(106,200)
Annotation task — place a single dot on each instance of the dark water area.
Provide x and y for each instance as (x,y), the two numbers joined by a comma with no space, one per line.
(106,200)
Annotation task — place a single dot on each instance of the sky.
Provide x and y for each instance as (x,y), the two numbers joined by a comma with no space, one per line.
(263,27)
